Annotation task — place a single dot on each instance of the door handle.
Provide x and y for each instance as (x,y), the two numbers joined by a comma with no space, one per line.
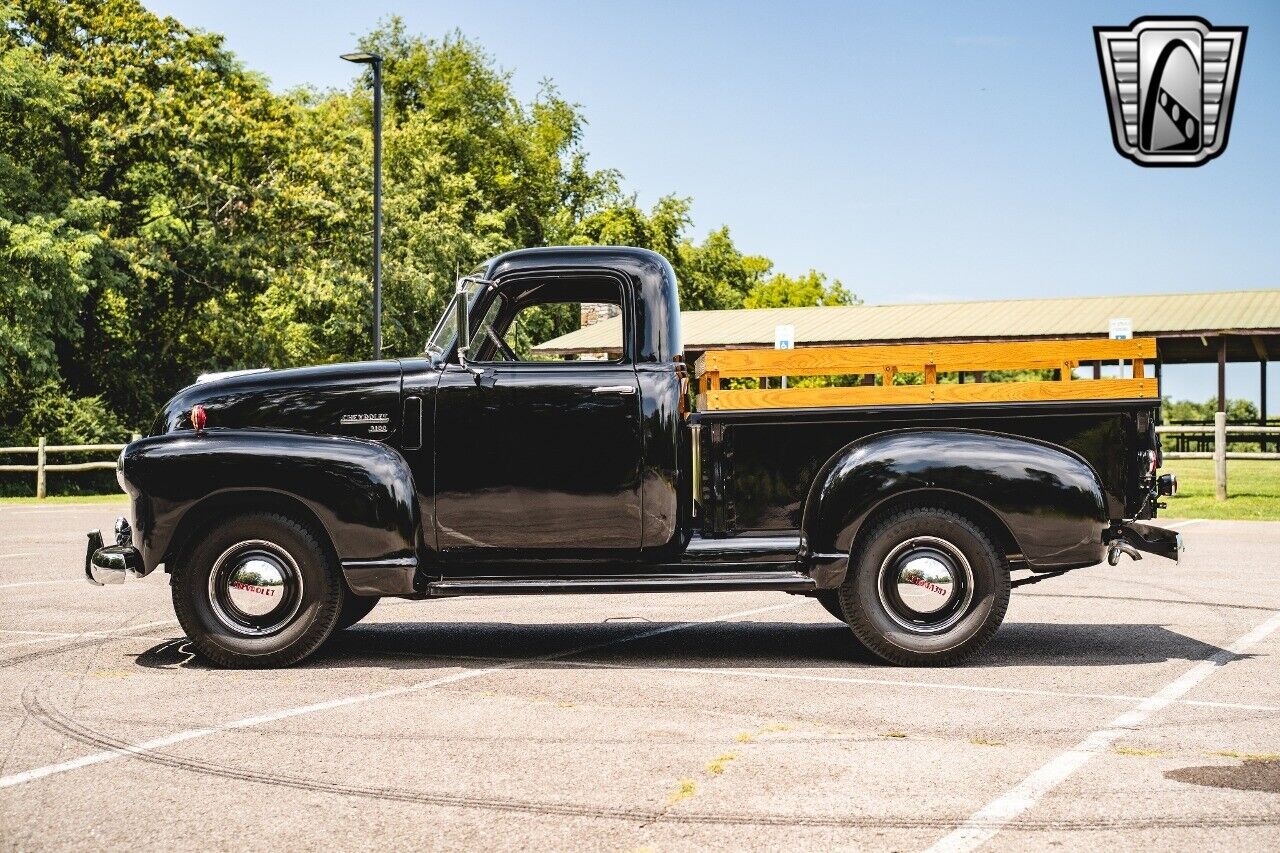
(614,389)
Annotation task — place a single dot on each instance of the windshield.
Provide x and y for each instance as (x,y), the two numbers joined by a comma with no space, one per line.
(446,333)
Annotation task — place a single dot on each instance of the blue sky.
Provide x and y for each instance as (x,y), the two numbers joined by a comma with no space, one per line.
(918,152)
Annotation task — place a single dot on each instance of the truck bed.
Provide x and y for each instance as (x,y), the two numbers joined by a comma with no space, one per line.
(768,458)
(761,448)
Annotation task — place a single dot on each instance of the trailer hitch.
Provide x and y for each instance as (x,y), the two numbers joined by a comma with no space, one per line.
(1132,537)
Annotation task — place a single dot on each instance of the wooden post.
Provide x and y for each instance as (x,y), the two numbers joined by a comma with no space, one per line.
(40,481)
(1220,454)
(931,374)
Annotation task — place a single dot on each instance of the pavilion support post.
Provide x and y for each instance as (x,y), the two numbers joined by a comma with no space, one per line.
(1262,402)
(1222,373)
(1220,455)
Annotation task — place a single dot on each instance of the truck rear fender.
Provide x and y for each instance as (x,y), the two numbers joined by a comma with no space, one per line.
(1048,501)
(360,492)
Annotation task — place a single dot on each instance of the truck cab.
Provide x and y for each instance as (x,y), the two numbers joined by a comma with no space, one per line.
(591,447)
(285,503)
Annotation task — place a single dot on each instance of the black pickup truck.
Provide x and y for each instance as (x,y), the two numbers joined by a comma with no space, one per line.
(284,503)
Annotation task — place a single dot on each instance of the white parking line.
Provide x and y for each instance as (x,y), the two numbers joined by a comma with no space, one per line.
(21,554)
(273,716)
(38,583)
(106,633)
(26,509)
(1187,523)
(984,824)
(919,685)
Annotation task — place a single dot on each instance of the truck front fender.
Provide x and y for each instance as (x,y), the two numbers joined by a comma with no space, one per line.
(1048,500)
(361,492)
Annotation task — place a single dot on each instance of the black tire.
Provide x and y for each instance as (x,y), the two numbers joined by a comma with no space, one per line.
(233,566)
(830,600)
(354,608)
(884,574)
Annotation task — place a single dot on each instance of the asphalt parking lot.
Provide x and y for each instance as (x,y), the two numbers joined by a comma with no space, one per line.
(1136,706)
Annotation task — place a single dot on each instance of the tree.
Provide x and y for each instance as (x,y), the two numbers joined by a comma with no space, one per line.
(163,212)
(783,291)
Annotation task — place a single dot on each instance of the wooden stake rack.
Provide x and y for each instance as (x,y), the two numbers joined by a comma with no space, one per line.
(930,360)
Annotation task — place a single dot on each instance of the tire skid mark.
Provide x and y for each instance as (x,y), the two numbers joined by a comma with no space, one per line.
(43,712)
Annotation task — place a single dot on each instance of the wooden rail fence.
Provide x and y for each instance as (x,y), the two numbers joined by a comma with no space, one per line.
(1220,454)
(42,465)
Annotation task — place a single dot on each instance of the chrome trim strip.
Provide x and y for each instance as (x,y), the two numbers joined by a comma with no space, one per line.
(398,562)
(766,544)
(381,577)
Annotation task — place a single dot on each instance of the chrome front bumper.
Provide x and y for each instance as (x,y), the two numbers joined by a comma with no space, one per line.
(110,564)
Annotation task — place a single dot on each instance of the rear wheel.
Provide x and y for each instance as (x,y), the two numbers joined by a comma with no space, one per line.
(258,590)
(925,586)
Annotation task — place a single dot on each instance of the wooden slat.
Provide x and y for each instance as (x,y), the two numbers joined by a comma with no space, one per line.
(999,355)
(984,392)
(81,466)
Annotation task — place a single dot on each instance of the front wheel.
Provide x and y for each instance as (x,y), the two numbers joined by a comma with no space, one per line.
(926,586)
(258,590)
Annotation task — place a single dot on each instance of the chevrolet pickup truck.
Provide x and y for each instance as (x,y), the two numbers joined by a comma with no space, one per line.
(284,503)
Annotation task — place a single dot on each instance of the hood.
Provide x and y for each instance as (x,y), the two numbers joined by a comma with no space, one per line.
(358,399)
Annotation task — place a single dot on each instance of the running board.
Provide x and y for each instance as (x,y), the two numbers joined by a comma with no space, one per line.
(776,581)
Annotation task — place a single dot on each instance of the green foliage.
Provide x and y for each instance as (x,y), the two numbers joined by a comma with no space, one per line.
(1185,410)
(62,419)
(163,213)
(783,291)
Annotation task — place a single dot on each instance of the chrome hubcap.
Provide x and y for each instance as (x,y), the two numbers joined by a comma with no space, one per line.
(925,584)
(255,588)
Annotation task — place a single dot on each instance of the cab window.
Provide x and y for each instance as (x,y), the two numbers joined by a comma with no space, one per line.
(524,316)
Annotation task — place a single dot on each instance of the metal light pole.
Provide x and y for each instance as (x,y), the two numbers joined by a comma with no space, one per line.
(362,58)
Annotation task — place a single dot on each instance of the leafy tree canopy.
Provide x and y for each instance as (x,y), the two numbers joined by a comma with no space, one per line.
(162,212)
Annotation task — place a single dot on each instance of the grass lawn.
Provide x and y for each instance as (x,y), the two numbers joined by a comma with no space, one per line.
(1253,490)
(66,499)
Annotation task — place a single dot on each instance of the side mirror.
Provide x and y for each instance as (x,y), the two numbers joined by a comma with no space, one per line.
(464,330)
(462,323)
